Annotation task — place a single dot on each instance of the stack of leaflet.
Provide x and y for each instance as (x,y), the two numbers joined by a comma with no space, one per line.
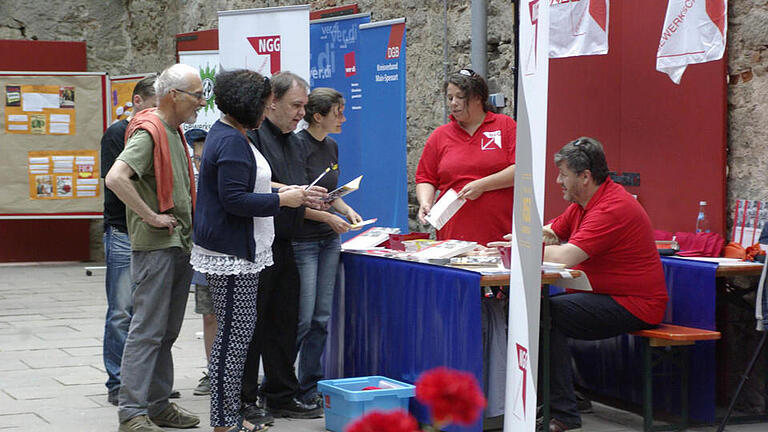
(369,239)
(444,250)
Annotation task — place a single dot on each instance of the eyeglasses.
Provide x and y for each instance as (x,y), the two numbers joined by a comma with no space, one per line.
(196,158)
(467,72)
(198,95)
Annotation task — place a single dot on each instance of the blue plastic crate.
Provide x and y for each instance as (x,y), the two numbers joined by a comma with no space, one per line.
(345,400)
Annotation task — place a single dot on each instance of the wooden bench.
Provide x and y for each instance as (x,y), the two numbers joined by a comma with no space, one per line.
(678,339)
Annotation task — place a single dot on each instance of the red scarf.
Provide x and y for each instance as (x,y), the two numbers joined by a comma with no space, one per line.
(151,123)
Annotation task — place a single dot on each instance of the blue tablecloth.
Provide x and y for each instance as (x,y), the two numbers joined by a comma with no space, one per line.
(401,318)
(612,366)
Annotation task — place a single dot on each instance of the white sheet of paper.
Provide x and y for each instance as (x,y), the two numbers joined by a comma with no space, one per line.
(82,187)
(580,282)
(18,127)
(18,118)
(59,118)
(59,128)
(38,101)
(38,166)
(39,160)
(86,193)
(444,209)
(87,181)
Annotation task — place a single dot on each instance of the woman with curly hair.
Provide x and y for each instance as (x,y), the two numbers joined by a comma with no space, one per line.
(234,233)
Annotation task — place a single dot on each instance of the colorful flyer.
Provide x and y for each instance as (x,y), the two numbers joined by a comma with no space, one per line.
(12,95)
(66,97)
(63,174)
(37,123)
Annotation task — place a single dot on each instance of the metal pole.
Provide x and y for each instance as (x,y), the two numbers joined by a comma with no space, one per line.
(517,56)
(479,47)
(445,55)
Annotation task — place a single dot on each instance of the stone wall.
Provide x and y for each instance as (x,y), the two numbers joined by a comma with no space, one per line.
(133,36)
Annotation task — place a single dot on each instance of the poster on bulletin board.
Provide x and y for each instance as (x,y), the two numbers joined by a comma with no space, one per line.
(121,95)
(52,123)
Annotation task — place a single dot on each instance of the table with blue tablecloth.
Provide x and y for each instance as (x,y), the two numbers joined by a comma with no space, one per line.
(400,318)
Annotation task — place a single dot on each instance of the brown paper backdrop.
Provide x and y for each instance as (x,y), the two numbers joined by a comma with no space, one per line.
(14,148)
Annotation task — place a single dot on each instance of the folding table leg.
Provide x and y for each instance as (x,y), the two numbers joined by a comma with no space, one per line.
(647,386)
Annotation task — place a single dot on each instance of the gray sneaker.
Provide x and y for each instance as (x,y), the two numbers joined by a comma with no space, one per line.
(176,417)
(140,423)
(204,386)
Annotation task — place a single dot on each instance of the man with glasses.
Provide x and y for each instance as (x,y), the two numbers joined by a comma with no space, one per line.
(117,245)
(606,234)
(153,176)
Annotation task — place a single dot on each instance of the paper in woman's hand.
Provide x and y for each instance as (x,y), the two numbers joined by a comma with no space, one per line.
(444,209)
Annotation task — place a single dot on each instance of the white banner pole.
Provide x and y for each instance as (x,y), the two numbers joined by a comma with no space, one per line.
(525,273)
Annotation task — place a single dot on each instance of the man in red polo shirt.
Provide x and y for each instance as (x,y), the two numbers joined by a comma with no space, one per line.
(606,234)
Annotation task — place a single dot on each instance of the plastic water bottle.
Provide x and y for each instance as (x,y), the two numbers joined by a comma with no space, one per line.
(702,221)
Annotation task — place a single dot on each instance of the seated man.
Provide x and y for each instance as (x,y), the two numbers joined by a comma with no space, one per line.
(606,234)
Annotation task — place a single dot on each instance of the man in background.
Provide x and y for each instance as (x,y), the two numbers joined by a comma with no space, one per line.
(117,245)
(203,304)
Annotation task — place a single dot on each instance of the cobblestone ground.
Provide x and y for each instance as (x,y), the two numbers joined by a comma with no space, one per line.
(51,372)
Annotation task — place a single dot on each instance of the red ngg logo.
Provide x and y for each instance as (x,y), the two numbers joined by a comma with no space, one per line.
(268,45)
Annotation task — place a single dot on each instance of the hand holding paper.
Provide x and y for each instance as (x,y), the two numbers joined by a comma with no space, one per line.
(348,188)
(444,209)
(357,226)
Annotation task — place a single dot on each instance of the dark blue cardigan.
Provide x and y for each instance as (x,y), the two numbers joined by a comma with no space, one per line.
(226,203)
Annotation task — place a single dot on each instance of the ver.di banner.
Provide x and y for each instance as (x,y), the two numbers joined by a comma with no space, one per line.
(334,45)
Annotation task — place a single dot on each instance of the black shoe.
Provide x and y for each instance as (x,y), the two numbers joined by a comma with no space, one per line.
(175,394)
(296,409)
(583,404)
(316,399)
(112,396)
(256,414)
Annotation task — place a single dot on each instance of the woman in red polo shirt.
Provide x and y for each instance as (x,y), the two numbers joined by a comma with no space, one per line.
(474,154)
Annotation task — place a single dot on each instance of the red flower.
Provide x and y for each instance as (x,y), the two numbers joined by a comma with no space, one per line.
(391,421)
(452,396)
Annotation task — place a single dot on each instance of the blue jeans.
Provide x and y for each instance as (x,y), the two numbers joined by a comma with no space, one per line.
(117,249)
(317,262)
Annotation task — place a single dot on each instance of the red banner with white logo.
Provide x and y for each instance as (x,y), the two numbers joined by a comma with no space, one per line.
(694,32)
(265,40)
(578,27)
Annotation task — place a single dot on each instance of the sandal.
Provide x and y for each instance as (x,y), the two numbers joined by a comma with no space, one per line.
(242,428)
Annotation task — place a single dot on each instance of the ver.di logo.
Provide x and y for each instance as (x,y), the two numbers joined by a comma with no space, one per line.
(208,77)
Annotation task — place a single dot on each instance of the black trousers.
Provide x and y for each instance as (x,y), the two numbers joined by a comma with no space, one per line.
(584,316)
(274,339)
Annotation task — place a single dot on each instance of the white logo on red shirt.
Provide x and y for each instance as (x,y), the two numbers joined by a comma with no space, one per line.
(492,140)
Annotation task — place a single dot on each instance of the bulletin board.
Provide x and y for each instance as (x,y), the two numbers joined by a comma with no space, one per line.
(51,126)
